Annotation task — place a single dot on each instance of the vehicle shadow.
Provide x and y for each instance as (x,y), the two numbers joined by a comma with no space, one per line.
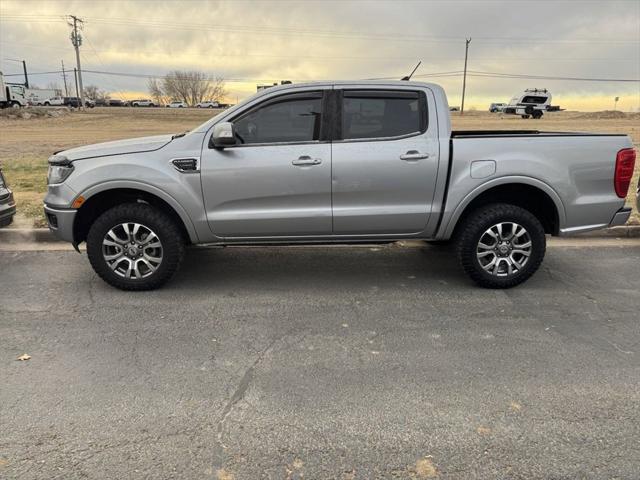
(321,267)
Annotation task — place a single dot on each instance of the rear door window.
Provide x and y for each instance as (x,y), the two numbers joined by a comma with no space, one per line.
(382,114)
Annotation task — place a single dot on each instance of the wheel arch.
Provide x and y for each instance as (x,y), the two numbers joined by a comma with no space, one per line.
(100,198)
(526,192)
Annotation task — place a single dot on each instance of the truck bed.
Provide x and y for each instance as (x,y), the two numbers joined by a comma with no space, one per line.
(526,133)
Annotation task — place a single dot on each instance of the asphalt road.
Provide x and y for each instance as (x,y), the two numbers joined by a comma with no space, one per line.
(322,363)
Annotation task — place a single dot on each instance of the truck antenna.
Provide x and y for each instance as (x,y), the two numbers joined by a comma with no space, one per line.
(407,78)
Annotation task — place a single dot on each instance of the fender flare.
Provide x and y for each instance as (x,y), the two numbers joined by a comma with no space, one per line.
(446,230)
(145,187)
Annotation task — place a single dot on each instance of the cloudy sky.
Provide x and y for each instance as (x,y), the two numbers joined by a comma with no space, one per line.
(251,42)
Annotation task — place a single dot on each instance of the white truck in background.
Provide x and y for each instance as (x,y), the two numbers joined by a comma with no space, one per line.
(12,95)
(532,103)
(38,96)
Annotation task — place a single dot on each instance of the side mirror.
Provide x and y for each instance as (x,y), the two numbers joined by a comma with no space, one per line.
(223,135)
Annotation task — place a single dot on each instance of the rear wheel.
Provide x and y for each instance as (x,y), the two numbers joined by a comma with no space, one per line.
(500,245)
(525,116)
(135,247)
(537,114)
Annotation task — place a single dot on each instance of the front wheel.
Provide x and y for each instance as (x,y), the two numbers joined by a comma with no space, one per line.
(134,246)
(500,245)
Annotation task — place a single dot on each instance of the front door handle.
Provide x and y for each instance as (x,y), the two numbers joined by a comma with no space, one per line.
(413,155)
(306,160)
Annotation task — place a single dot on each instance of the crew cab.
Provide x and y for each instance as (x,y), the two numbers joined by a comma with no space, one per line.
(336,162)
(54,101)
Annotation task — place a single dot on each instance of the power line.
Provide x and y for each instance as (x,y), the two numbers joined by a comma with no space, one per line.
(501,59)
(455,73)
(280,31)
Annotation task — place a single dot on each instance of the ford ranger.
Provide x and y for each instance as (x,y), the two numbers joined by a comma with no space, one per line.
(342,162)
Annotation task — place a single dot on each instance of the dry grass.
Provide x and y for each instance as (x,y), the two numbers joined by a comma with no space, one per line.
(25,144)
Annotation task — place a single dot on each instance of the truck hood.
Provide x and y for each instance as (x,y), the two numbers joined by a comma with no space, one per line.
(119,147)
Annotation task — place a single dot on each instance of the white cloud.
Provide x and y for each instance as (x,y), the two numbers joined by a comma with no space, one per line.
(264,40)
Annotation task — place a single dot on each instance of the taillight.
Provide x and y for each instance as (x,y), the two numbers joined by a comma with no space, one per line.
(625,161)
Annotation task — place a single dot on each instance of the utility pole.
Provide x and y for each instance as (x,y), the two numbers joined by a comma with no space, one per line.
(75,75)
(26,78)
(76,40)
(464,78)
(64,78)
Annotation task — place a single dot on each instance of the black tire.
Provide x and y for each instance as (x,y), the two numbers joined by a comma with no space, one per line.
(475,225)
(537,114)
(525,116)
(173,245)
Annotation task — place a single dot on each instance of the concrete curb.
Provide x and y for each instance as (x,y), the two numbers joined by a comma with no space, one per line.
(44,235)
(27,235)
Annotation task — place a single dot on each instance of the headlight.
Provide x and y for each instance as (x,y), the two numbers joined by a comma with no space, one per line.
(58,173)
(59,169)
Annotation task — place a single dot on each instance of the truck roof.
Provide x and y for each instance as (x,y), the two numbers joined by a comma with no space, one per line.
(394,83)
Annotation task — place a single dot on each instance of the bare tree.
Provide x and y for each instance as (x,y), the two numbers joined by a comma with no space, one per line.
(54,86)
(155,90)
(191,87)
(92,92)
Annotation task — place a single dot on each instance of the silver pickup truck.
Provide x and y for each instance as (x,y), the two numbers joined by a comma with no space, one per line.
(341,162)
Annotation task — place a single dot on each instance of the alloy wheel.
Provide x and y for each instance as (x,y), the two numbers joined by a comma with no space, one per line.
(132,250)
(504,249)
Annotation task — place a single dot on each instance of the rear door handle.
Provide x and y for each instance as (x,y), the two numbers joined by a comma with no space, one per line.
(306,160)
(413,155)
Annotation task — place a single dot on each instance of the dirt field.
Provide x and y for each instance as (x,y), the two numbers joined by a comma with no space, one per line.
(25,144)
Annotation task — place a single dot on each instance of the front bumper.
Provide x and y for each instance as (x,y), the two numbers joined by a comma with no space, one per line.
(60,222)
(7,207)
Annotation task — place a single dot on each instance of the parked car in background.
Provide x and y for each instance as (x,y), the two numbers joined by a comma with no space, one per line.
(7,203)
(207,104)
(74,102)
(497,107)
(334,162)
(142,103)
(177,105)
(115,102)
(54,102)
